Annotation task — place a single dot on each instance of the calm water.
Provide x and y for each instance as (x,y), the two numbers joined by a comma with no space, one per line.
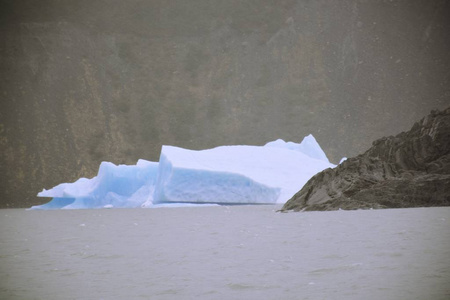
(239,252)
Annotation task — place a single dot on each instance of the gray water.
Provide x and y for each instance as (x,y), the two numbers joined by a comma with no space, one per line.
(239,252)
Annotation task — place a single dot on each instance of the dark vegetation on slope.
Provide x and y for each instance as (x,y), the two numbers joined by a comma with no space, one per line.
(411,169)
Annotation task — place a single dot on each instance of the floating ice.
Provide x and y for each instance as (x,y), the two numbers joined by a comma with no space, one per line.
(219,175)
(114,186)
(236,174)
(308,146)
(224,175)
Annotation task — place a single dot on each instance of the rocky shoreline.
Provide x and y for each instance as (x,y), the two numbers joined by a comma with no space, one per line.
(411,169)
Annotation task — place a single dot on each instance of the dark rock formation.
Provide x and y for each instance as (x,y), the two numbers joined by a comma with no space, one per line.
(411,169)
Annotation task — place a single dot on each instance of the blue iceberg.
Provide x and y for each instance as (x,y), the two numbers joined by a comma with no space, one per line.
(114,186)
(267,174)
(209,176)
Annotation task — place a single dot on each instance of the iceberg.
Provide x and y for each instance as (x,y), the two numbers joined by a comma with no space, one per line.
(239,174)
(309,146)
(219,175)
(114,186)
(236,174)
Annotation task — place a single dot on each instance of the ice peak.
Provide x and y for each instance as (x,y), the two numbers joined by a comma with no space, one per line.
(309,146)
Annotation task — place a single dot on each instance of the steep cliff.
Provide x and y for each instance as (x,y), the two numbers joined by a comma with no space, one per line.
(410,169)
(90,80)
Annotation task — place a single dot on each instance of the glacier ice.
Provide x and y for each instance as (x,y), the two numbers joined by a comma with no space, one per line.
(219,175)
(267,174)
(308,146)
(114,186)
(342,160)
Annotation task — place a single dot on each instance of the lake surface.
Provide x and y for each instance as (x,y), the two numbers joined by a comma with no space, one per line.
(225,252)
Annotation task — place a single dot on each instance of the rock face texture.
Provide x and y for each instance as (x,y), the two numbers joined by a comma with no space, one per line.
(411,169)
(87,81)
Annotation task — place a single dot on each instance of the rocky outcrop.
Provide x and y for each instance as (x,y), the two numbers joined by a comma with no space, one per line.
(411,169)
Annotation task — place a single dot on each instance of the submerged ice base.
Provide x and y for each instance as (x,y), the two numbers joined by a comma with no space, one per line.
(224,175)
